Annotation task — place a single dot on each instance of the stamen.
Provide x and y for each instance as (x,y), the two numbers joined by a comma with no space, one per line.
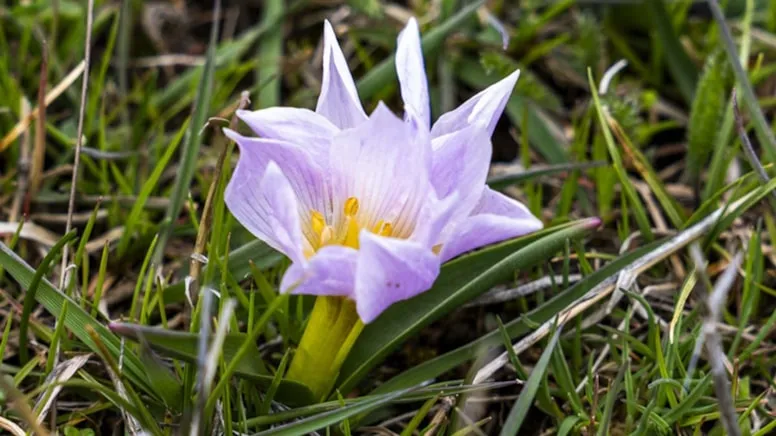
(383,228)
(351,233)
(318,222)
(326,235)
(387,230)
(351,206)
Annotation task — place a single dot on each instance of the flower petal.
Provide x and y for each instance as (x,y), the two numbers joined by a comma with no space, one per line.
(331,271)
(436,215)
(305,176)
(339,99)
(412,72)
(384,163)
(496,218)
(299,126)
(460,163)
(390,270)
(485,107)
(265,203)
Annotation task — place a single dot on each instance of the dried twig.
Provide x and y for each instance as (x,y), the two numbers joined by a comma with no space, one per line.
(446,403)
(19,402)
(79,137)
(754,161)
(39,151)
(11,427)
(500,295)
(55,381)
(199,247)
(715,301)
(52,95)
(622,280)
(64,271)
(23,175)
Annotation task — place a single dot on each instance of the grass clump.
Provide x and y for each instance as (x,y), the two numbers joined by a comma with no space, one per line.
(165,319)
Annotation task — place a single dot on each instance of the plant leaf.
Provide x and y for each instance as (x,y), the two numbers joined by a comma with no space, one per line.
(523,404)
(78,319)
(679,64)
(183,346)
(460,281)
(706,113)
(385,72)
(326,419)
(523,325)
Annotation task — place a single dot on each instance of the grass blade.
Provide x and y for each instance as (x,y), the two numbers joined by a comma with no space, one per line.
(761,126)
(385,72)
(193,139)
(478,272)
(679,64)
(78,320)
(520,409)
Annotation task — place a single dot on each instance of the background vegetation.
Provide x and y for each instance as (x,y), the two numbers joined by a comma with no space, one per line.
(658,321)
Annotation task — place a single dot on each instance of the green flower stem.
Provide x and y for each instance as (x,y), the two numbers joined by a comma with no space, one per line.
(331,332)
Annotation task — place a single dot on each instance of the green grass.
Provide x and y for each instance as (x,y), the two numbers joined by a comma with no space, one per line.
(609,342)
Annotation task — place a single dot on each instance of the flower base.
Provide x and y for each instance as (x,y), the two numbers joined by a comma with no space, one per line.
(331,332)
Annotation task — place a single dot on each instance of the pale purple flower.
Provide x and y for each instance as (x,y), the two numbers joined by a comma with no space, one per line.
(368,206)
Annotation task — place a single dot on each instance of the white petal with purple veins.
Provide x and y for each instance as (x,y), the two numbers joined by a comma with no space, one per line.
(330,272)
(305,176)
(460,162)
(390,270)
(384,163)
(339,100)
(300,126)
(496,218)
(265,203)
(485,107)
(412,72)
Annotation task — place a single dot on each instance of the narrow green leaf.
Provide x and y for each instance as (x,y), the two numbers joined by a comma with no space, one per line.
(183,346)
(523,404)
(146,190)
(433,391)
(77,318)
(706,113)
(385,73)
(316,422)
(679,64)
(30,296)
(761,126)
(270,54)
(523,325)
(504,180)
(190,152)
(460,281)
(628,190)
(419,416)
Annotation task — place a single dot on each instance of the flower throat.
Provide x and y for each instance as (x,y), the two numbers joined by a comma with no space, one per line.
(346,233)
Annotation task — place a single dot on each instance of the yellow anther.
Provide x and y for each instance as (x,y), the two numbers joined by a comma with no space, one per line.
(383,228)
(351,206)
(387,230)
(318,222)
